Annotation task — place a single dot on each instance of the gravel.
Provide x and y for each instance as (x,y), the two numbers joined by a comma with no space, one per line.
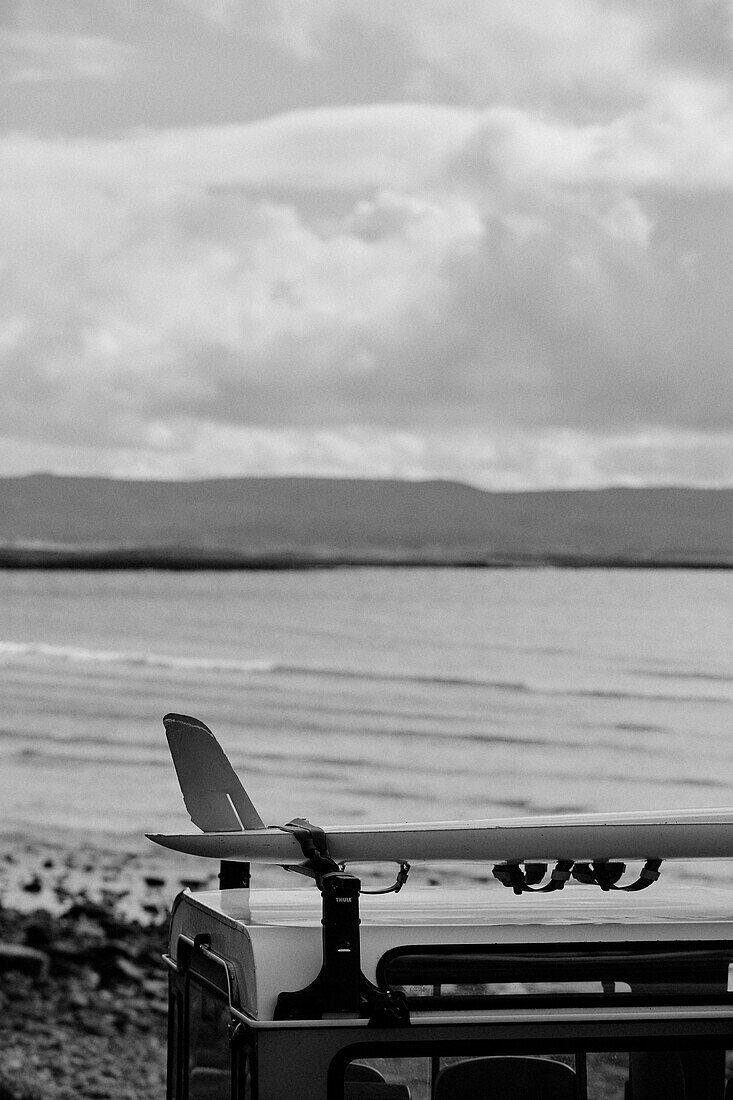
(83,1005)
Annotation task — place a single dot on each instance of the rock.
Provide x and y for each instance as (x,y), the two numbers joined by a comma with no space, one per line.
(112,964)
(126,969)
(123,948)
(154,987)
(25,960)
(103,1026)
(40,933)
(67,1036)
(68,958)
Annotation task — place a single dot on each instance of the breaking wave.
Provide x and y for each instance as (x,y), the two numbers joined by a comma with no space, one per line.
(78,655)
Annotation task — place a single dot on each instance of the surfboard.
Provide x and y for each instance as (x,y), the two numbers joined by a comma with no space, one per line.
(233,829)
(707,834)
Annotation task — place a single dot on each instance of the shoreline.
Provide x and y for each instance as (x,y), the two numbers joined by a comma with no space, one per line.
(95,559)
(134,879)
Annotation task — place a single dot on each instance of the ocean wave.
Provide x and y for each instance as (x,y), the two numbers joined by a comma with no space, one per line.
(59,758)
(54,738)
(255,760)
(520,687)
(10,651)
(79,655)
(639,696)
(671,674)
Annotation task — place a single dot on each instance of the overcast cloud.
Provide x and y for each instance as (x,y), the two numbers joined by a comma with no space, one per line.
(443,239)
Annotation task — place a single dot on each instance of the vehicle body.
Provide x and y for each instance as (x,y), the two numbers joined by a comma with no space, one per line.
(611,984)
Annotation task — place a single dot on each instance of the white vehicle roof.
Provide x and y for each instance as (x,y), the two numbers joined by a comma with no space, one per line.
(273,938)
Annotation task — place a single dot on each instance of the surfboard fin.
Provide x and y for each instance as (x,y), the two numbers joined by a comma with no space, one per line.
(212,792)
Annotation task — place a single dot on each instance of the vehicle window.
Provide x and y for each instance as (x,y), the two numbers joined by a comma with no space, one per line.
(209,1052)
(585,1075)
(388,1079)
(447,978)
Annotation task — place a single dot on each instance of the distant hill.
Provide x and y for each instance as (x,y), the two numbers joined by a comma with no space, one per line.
(47,520)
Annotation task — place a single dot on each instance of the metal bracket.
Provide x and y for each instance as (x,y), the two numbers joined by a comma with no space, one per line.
(340,989)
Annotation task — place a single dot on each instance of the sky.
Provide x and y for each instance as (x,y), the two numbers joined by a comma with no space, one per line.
(485,241)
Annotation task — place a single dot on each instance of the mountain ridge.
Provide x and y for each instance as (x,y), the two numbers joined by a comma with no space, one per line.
(49,519)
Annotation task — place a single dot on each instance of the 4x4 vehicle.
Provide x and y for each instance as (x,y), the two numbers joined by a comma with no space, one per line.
(573,995)
(558,990)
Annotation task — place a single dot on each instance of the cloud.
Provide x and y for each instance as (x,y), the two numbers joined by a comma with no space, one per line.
(491,282)
(34,57)
(589,59)
(327,149)
(682,141)
(293,25)
(194,448)
(341,285)
(559,53)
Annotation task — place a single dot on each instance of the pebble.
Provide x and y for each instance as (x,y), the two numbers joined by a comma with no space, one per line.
(153,986)
(83,993)
(24,960)
(125,969)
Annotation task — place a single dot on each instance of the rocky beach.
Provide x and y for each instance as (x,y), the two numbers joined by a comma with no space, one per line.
(83,998)
(83,988)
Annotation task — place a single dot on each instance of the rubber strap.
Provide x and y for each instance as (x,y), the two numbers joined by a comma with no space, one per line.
(606,875)
(526,881)
(314,846)
(396,886)
(649,873)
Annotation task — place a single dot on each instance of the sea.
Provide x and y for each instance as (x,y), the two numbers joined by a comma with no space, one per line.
(362,695)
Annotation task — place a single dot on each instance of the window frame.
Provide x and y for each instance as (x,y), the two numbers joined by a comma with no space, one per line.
(212,973)
(579,1036)
(215,992)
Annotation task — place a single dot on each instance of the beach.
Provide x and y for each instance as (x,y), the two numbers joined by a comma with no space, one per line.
(83,1005)
(347,696)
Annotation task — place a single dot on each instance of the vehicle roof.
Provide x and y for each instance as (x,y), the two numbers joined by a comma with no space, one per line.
(273,937)
(448,907)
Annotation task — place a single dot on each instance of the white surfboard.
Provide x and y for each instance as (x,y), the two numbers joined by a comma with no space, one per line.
(705,834)
(214,795)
